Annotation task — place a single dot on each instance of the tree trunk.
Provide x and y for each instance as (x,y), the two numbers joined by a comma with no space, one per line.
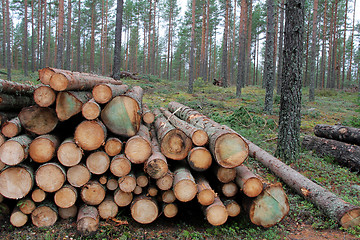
(78,38)
(184,186)
(98,162)
(198,136)
(338,132)
(16,182)
(344,48)
(70,103)
(224,73)
(323,50)
(15,150)
(93,193)
(60,38)
(113,146)
(11,128)
(138,147)
(352,46)
(199,159)
(122,115)
(249,183)
(269,208)
(216,214)
(313,54)
(91,109)
(44,215)
(4,32)
(66,196)
(8,43)
(334,207)
(206,195)
(343,153)
(78,175)
(103,93)
(144,209)
(14,102)
(43,148)
(221,137)
(120,166)
(192,50)
(68,153)
(92,37)
(281,44)
(25,50)
(118,33)
(87,222)
(44,96)
(174,144)
(90,135)
(50,177)
(269,57)
(10,87)
(68,41)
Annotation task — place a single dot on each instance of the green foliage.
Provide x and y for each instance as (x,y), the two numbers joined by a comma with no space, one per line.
(326,93)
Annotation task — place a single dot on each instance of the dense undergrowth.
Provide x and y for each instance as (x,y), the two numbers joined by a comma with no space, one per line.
(245,116)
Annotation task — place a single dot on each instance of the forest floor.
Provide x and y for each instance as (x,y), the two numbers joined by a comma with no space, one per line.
(245,116)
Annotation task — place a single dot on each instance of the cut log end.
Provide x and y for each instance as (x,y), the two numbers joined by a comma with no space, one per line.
(70,212)
(44,216)
(176,145)
(230,150)
(170,210)
(90,135)
(122,199)
(45,74)
(252,187)
(137,150)
(92,193)
(200,138)
(148,117)
(38,195)
(98,162)
(38,120)
(102,93)
(58,82)
(144,210)
(225,175)
(78,175)
(50,177)
(44,96)
(351,218)
(41,150)
(165,183)
(18,218)
(206,197)
(12,153)
(87,220)
(216,213)
(199,159)
(26,206)
(108,209)
(69,154)
(15,182)
(11,129)
(127,183)
(185,190)
(232,207)
(120,166)
(113,146)
(91,110)
(65,197)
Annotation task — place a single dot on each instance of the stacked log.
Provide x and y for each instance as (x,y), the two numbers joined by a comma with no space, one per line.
(86,149)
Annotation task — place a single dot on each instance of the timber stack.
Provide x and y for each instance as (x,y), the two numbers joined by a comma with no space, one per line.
(84,146)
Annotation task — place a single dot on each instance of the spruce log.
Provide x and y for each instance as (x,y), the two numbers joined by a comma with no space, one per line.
(66,196)
(147,116)
(206,194)
(268,208)
(103,93)
(70,103)
(42,149)
(26,205)
(224,175)
(170,210)
(168,196)
(44,96)
(78,175)
(108,208)
(338,132)
(44,216)
(38,120)
(103,180)
(152,191)
(138,147)
(38,195)
(141,179)
(199,159)
(15,150)
(144,209)
(229,189)
(232,207)
(126,74)
(45,74)
(120,166)
(98,162)
(50,177)
(184,187)
(122,199)
(198,136)
(66,213)
(174,144)
(249,183)
(14,102)
(166,182)
(127,183)
(216,213)
(113,146)
(68,153)
(343,153)
(11,128)
(91,109)
(122,115)
(63,80)
(18,218)
(138,190)
(93,193)
(345,213)
(87,222)
(16,88)
(16,182)
(90,135)
(227,147)
(112,184)
(156,165)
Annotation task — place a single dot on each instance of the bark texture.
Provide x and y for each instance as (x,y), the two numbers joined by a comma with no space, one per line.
(338,132)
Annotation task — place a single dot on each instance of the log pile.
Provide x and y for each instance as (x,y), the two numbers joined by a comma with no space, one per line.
(89,146)
(342,143)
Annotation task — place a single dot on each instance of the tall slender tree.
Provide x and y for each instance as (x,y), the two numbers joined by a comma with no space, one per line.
(313,53)
(68,40)
(60,45)
(118,31)
(240,81)
(224,74)
(281,43)
(268,77)
(92,36)
(323,50)
(290,102)
(192,49)
(78,38)
(4,32)
(8,43)
(351,47)
(25,50)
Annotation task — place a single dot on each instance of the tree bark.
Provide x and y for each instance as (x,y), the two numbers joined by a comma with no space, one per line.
(313,53)
(68,41)
(70,103)
(118,33)
(249,183)
(15,88)
(60,38)
(221,137)
(13,102)
(343,153)
(338,132)
(192,51)
(224,73)
(281,44)
(8,43)
(25,50)
(333,206)
(323,50)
